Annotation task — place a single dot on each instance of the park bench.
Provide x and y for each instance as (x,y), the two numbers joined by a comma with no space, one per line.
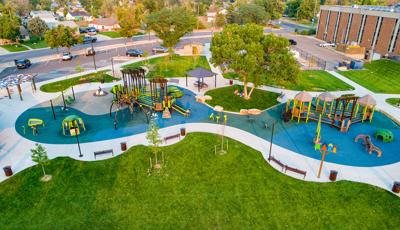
(172,137)
(295,170)
(277,162)
(103,152)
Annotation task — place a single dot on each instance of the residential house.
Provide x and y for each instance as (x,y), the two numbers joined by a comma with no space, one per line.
(47,16)
(105,24)
(78,16)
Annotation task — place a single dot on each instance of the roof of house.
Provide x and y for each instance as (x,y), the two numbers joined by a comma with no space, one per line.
(105,21)
(79,14)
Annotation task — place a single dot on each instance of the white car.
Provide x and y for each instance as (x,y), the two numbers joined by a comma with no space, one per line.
(327,44)
(66,56)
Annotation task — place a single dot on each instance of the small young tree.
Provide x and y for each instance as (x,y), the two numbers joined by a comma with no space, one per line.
(39,155)
(153,137)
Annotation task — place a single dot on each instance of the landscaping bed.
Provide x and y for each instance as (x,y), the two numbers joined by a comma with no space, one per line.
(61,85)
(309,80)
(381,76)
(176,67)
(196,189)
(226,98)
(394,101)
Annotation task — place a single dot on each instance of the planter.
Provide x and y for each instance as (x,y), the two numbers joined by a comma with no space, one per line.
(333,175)
(123,146)
(8,171)
(396,187)
(183,131)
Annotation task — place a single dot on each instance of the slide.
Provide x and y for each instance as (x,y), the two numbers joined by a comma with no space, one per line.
(180,110)
(368,144)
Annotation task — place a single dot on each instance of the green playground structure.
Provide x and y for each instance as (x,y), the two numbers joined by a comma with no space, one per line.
(384,135)
(72,125)
(33,123)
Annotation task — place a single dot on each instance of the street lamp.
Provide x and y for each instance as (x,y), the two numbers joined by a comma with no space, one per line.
(77,141)
(94,54)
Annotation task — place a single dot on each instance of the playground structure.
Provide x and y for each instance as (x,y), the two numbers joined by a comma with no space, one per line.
(384,135)
(33,123)
(154,95)
(72,125)
(338,112)
(369,146)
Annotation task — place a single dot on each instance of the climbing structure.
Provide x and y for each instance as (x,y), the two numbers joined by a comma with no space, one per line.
(368,144)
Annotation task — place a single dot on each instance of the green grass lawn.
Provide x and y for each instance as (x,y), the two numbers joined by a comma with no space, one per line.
(196,189)
(309,80)
(115,34)
(225,97)
(177,67)
(36,44)
(61,85)
(111,34)
(14,48)
(394,101)
(382,76)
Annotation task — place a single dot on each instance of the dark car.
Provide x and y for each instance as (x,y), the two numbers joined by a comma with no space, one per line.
(88,39)
(292,42)
(83,30)
(134,53)
(22,63)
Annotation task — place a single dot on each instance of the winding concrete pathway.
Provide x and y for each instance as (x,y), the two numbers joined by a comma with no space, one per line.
(15,150)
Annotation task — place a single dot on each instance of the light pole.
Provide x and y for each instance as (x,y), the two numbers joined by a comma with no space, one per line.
(77,141)
(94,54)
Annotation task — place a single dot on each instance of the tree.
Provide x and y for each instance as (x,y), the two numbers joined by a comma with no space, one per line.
(129,19)
(153,137)
(220,20)
(308,9)
(39,155)
(170,24)
(37,27)
(292,7)
(251,13)
(240,49)
(280,63)
(61,36)
(9,22)
(274,8)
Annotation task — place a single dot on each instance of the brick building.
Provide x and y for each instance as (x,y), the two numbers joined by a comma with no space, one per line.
(374,27)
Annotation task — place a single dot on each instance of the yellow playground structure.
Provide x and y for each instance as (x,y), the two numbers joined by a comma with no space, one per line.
(339,112)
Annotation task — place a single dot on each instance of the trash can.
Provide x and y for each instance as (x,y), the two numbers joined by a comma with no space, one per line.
(333,175)
(396,187)
(123,146)
(183,131)
(8,171)
(230,82)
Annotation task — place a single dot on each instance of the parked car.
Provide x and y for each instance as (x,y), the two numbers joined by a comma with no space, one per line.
(83,30)
(134,53)
(292,42)
(90,52)
(66,56)
(327,44)
(22,63)
(88,39)
(91,31)
(160,49)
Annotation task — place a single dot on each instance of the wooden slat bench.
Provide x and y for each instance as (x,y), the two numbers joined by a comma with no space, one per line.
(277,162)
(103,152)
(295,170)
(172,137)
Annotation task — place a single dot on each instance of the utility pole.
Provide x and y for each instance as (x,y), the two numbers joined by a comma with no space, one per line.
(94,54)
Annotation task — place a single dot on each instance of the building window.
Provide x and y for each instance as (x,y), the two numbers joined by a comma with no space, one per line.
(395,41)
(377,31)
(394,36)
(362,27)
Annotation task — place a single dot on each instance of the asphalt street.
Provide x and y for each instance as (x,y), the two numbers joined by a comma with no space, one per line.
(48,69)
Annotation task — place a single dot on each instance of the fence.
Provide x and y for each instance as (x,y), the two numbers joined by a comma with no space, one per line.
(310,61)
